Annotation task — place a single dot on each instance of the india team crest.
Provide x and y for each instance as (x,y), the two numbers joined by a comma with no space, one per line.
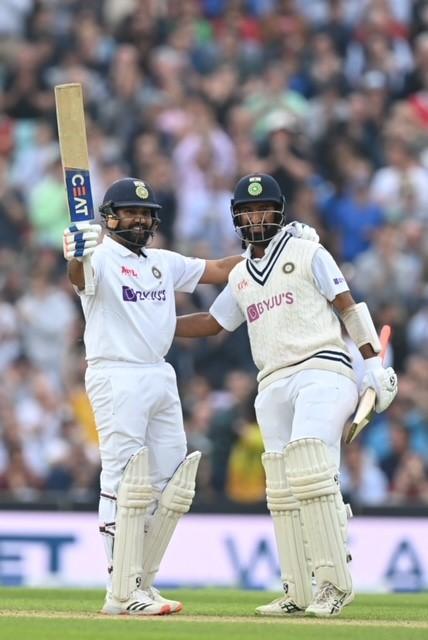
(141,190)
(255,189)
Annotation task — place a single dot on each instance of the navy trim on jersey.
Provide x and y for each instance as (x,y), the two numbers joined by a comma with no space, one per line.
(337,356)
(261,275)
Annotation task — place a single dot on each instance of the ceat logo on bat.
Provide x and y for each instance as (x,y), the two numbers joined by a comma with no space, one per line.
(79,195)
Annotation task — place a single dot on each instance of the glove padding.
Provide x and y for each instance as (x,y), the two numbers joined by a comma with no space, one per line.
(383,381)
(302,231)
(80,240)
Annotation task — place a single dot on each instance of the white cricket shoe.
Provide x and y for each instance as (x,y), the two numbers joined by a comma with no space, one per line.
(155,595)
(138,604)
(329,601)
(281,607)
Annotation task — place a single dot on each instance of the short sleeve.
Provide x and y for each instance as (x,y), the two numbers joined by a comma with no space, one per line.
(328,277)
(186,272)
(226,310)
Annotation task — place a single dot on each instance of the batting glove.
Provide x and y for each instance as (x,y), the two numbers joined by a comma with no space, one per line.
(383,381)
(80,240)
(302,231)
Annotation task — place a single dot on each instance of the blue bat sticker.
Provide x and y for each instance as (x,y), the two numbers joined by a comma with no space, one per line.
(79,195)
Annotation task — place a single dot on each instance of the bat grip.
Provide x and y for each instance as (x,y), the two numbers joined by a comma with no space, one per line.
(89,277)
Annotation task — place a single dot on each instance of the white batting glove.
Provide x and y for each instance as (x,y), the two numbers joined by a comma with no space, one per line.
(383,381)
(302,231)
(80,240)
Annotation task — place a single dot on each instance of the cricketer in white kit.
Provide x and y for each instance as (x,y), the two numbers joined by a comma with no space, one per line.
(290,294)
(147,481)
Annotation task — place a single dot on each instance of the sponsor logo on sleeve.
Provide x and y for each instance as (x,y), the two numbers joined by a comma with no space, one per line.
(243,284)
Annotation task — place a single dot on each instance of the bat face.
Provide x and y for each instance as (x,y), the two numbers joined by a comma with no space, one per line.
(74,151)
(79,194)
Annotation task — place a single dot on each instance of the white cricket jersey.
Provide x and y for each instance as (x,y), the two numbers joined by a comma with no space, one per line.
(285,299)
(132,317)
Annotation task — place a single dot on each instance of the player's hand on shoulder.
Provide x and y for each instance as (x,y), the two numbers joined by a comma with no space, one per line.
(80,240)
(302,231)
(383,381)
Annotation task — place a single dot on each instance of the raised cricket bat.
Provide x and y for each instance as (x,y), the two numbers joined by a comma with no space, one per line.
(365,409)
(75,161)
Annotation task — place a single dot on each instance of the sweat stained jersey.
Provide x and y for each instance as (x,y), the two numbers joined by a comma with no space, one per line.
(291,325)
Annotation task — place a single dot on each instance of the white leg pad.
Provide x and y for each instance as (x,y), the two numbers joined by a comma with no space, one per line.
(314,484)
(174,501)
(134,496)
(290,536)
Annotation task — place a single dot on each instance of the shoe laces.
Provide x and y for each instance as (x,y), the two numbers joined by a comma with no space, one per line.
(141,595)
(326,592)
(151,591)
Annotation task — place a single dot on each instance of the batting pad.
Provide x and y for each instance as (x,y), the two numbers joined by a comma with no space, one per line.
(313,483)
(134,496)
(174,501)
(293,551)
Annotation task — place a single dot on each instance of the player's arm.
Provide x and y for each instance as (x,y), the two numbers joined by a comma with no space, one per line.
(345,305)
(76,274)
(217,271)
(360,327)
(197,325)
(224,313)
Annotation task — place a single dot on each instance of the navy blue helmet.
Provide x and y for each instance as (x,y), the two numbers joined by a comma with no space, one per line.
(129,193)
(262,189)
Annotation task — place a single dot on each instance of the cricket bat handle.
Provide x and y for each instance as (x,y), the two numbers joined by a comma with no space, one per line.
(89,276)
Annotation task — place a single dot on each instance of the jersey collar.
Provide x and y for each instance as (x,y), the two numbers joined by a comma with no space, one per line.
(269,249)
(120,249)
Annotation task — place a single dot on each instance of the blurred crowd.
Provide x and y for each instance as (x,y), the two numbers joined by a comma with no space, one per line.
(329,96)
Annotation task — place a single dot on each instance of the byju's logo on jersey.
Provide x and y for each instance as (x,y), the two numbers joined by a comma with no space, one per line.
(134,295)
(256,310)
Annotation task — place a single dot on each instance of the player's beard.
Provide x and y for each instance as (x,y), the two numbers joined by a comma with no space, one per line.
(262,235)
(133,238)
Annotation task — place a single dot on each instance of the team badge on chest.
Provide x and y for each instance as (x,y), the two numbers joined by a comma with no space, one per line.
(288,267)
(157,274)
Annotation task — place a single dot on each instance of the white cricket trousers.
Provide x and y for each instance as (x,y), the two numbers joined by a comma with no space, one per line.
(309,404)
(136,406)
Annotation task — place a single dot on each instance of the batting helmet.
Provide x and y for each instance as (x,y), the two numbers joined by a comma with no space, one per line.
(129,193)
(258,188)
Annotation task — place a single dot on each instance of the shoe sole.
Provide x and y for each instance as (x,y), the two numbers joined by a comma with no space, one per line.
(165,610)
(297,614)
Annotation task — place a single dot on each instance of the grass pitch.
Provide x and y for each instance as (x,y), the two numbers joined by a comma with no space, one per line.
(65,614)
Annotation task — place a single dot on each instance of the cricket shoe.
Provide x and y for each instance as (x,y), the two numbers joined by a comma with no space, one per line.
(281,607)
(329,601)
(155,595)
(138,604)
